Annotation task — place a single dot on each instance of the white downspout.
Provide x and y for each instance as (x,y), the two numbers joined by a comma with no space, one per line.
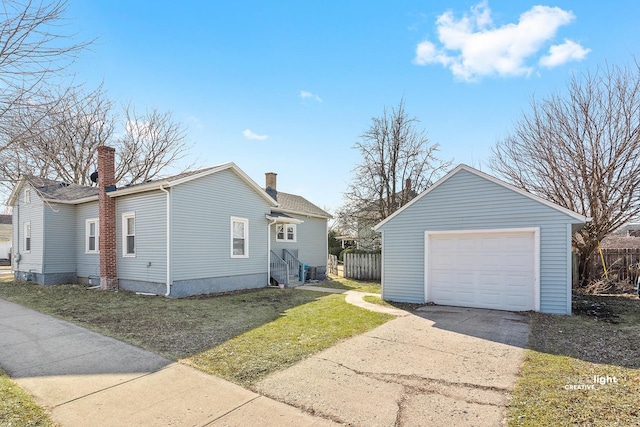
(168,240)
(269,252)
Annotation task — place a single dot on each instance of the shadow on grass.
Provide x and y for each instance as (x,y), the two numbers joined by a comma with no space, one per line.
(604,329)
(174,328)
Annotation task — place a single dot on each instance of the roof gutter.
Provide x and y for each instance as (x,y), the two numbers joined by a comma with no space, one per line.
(168,292)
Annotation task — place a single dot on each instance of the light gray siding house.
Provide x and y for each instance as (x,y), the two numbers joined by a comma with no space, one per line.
(205,231)
(472,240)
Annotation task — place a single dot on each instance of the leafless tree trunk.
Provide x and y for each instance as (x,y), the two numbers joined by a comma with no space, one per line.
(398,162)
(581,150)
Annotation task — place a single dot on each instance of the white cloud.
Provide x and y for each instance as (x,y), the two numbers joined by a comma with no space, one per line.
(472,47)
(308,95)
(249,134)
(562,53)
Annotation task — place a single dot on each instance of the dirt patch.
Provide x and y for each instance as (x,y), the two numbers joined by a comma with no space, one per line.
(595,309)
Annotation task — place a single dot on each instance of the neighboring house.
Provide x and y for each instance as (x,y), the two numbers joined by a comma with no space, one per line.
(205,231)
(5,238)
(472,240)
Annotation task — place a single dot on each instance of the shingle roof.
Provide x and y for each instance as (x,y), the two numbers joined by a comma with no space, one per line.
(5,219)
(56,190)
(291,202)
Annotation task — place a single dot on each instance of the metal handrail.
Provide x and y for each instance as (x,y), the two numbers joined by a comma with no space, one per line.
(279,269)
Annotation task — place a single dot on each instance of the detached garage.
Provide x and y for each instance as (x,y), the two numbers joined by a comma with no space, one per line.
(472,240)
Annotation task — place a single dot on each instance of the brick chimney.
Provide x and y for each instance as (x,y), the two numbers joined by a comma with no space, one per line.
(271,184)
(407,185)
(107,214)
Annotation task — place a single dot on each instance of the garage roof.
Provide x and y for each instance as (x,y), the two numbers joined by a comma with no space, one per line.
(580,219)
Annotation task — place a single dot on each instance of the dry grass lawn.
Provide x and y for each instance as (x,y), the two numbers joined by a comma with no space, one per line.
(582,369)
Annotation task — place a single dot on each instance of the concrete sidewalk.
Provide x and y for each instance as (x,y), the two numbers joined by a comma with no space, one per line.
(85,378)
(356,298)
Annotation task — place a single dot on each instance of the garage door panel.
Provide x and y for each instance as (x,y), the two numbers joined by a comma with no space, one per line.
(490,270)
(519,243)
(490,244)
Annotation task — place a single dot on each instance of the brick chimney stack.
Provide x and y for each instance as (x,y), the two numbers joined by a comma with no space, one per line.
(107,214)
(271,184)
(271,180)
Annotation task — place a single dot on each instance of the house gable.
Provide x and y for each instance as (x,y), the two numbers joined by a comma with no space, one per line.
(483,185)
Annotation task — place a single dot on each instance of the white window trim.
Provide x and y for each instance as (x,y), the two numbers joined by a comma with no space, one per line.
(125,217)
(285,234)
(27,195)
(97,236)
(27,224)
(245,221)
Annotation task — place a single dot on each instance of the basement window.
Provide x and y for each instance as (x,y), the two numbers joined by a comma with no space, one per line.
(129,234)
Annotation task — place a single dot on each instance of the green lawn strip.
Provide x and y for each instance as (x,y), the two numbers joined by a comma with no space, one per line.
(17,408)
(175,328)
(350,285)
(568,356)
(376,300)
(299,333)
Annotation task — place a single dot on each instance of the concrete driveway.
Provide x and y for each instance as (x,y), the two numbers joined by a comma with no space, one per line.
(444,366)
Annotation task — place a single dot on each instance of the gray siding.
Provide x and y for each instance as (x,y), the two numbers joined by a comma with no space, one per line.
(466,202)
(311,241)
(59,239)
(150,261)
(88,264)
(201,227)
(33,212)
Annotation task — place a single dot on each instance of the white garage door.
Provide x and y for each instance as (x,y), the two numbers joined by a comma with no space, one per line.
(482,269)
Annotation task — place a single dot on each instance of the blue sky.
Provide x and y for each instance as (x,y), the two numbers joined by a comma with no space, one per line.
(288,86)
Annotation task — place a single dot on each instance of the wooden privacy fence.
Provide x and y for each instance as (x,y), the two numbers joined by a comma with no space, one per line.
(363,266)
(622,264)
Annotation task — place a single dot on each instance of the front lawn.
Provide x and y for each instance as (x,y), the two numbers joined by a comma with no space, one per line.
(299,333)
(582,369)
(174,328)
(274,328)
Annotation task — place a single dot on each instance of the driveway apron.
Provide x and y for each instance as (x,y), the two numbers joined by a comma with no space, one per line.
(443,366)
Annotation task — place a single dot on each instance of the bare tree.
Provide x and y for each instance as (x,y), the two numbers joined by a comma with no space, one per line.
(398,162)
(152,142)
(62,144)
(581,150)
(32,52)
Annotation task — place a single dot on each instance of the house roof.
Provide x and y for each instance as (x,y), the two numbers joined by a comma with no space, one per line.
(51,190)
(56,191)
(578,217)
(189,176)
(5,219)
(291,203)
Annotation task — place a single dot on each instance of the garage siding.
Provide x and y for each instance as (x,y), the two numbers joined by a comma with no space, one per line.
(466,201)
